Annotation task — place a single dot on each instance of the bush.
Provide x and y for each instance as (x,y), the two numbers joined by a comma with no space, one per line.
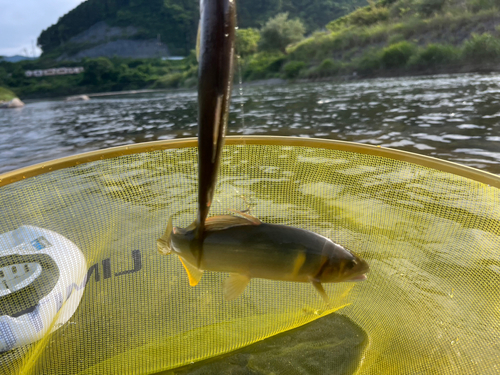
(169,81)
(99,71)
(329,67)
(476,6)
(481,47)
(132,79)
(6,94)
(397,55)
(365,16)
(428,7)
(313,48)
(292,69)
(350,38)
(279,32)
(263,65)
(434,55)
(395,38)
(247,41)
(136,62)
(370,62)
(368,16)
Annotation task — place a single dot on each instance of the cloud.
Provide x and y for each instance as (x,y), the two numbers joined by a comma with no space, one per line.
(22,21)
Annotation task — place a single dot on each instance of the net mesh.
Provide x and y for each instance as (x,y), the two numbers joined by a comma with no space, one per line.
(432,239)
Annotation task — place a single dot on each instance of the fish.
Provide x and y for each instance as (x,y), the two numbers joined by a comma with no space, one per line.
(248,248)
(242,245)
(215,52)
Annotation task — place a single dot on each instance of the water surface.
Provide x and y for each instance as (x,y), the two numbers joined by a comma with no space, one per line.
(453,117)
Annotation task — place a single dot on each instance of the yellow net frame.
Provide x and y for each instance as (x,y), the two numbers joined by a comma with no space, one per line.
(113,152)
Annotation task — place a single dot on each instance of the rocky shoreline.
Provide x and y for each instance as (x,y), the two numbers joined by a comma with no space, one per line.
(14,103)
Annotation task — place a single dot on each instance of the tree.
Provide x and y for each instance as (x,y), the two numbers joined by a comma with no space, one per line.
(428,7)
(177,21)
(99,71)
(316,14)
(247,41)
(279,32)
(184,16)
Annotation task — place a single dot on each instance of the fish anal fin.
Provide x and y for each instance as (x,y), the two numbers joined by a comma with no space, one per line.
(234,286)
(194,274)
(249,217)
(222,222)
(317,285)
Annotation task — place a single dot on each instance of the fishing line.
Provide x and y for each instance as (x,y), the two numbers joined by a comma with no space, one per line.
(240,82)
(242,104)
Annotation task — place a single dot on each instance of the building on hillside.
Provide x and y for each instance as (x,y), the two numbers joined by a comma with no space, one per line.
(54,72)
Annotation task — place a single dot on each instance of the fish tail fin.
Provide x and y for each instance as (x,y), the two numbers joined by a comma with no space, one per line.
(163,243)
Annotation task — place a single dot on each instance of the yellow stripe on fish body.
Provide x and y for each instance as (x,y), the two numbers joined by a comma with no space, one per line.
(299,262)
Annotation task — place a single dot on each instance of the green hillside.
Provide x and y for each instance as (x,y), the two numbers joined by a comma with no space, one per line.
(6,95)
(176,21)
(386,38)
(403,36)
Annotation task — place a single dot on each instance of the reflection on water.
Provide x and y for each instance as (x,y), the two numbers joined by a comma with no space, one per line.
(453,117)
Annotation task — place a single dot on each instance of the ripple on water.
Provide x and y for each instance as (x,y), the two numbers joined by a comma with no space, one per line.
(435,116)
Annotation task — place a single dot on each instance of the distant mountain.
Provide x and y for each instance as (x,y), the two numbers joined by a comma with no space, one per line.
(173,22)
(16,58)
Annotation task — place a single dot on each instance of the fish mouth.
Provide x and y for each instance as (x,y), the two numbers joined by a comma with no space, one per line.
(361,277)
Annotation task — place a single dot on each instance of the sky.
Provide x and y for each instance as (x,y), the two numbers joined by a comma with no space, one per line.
(22,21)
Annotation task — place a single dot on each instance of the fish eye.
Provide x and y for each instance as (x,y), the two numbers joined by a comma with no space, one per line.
(351,264)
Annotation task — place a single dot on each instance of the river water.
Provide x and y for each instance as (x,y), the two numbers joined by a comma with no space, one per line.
(453,117)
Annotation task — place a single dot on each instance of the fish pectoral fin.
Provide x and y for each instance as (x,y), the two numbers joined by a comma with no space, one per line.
(234,286)
(252,219)
(163,243)
(194,274)
(222,222)
(317,285)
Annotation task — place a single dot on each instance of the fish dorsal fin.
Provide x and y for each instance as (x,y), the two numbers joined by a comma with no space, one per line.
(194,274)
(234,286)
(250,218)
(221,222)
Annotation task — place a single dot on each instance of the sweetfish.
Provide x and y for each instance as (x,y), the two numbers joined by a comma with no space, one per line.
(248,248)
